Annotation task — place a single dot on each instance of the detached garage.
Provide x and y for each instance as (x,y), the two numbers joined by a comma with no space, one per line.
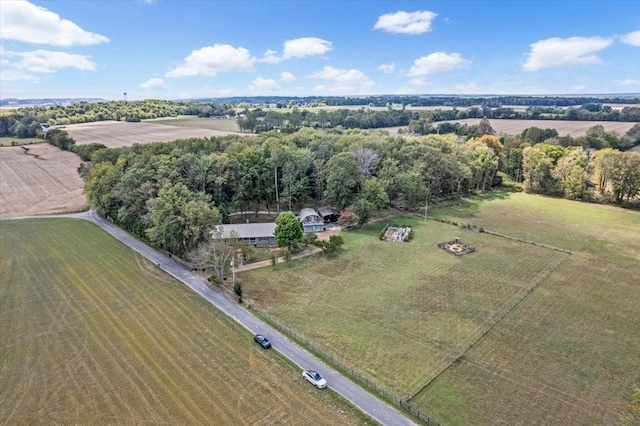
(311,220)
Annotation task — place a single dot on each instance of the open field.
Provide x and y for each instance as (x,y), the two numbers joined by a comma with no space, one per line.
(224,125)
(398,313)
(566,354)
(609,232)
(115,134)
(93,333)
(39,179)
(635,149)
(564,127)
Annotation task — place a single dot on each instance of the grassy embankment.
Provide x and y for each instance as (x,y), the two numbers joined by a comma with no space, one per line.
(91,332)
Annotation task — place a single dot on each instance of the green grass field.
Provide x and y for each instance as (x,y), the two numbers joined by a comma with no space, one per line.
(230,125)
(400,312)
(566,354)
(93,333)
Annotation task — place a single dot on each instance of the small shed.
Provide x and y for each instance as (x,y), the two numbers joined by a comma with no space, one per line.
(311,220)
(328,214)
(255,234)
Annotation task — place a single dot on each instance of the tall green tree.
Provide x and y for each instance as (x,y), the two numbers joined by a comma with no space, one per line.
(343,180)
(288,231)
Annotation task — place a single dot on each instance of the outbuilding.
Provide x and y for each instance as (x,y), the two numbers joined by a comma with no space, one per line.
(311,220)
(328,214)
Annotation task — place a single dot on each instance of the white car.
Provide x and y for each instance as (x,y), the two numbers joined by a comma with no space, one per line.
(314,378)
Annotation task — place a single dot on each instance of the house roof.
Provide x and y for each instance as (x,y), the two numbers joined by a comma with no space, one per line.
(326,211)
(249,230)
(306,212)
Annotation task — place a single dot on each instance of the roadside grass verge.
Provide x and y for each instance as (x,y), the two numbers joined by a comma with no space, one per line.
(92,332)
(399,312)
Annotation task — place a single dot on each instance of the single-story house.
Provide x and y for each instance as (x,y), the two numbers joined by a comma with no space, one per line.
(328,214)
(311,220)
(255,234)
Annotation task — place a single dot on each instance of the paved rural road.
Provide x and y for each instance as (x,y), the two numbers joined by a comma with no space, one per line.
(377,409)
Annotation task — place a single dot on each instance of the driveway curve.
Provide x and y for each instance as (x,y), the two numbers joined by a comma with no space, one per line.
(367,403)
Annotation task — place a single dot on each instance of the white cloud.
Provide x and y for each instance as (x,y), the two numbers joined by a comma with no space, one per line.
(153,83)
(270,57)
(557,52)
(47,61)
(26,22)
(632,38)
(387,68)
(287,76)
(437,62)
(345,82)
(210,60)
(406,22)
(263,85)
(629,82)
(306,46)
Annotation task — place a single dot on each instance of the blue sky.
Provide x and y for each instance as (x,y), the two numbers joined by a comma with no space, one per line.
(172,49)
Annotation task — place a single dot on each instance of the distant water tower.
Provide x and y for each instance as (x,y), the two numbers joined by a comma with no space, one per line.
(125,96)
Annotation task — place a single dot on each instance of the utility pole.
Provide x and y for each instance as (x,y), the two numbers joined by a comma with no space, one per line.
(233,269)
(275,173)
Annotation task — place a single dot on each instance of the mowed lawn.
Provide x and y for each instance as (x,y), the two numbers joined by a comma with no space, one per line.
(93,333)
(569,354)
(400,312)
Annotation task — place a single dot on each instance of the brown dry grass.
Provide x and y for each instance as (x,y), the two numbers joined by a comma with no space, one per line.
(48,183)
(114,134)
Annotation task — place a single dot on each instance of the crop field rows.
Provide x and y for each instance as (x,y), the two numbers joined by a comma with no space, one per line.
(114,134)
(408,309)
(91,330)
(42,181)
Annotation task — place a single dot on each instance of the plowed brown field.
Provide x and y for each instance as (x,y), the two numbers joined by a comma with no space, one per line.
(115,134)
(39,179)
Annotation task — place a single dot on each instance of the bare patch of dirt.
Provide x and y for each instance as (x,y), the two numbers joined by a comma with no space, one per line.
(43,180)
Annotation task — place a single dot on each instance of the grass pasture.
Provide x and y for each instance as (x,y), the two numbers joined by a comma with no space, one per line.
(566,354)
(13,141)
(400,312)
(93,333)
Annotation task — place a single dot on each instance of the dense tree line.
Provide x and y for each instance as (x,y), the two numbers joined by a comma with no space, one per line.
(258,120)
(173,193)
(33,121)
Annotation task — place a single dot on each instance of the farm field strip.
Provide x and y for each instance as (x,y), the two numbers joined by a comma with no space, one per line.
(414,309)
(48,183)
(93,331)
(223,125)
(114,134)
(564,127)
